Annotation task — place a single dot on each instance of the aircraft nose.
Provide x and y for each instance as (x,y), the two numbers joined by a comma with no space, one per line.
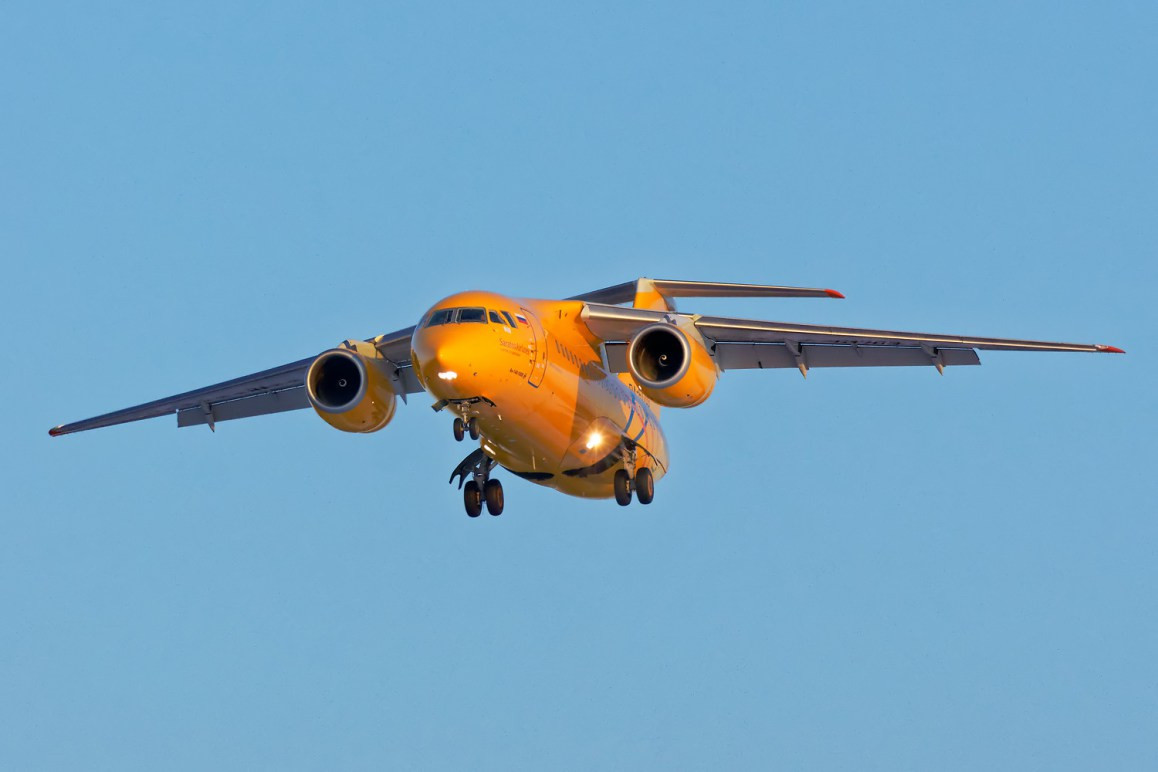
(449,369)
(446,363)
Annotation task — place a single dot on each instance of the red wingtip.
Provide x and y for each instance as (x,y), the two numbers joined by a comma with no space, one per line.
(834,294)
(55,432)
(1111,349)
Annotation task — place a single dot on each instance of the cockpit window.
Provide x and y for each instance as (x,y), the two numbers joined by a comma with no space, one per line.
(494,317)
(509,319)
(441,316)
(472,315)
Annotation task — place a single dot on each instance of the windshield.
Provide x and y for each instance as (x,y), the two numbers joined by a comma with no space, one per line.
(461,316)
(441,316)
(472,315)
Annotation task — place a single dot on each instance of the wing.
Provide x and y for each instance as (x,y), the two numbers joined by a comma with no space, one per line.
(269,391)
(748,344)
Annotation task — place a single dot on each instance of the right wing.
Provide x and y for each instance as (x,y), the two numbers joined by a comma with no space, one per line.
(752,344)
(744,344)
(269,391)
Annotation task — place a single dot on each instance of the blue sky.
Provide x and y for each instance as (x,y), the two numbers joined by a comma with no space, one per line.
(865,570)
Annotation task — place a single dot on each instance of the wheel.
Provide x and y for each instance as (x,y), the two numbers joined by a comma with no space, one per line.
(472,427)
(493,491)
(644,486)
(472,498)
(459,429)
(622,486)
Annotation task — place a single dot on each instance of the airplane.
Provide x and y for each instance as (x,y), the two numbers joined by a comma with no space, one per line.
(563,393)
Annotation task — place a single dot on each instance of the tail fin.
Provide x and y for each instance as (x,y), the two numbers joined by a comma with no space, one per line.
(648,295)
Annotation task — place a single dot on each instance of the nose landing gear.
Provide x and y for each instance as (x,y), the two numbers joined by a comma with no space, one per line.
(462,428)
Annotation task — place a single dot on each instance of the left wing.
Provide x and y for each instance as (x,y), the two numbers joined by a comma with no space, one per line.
(749,344)
(269,391)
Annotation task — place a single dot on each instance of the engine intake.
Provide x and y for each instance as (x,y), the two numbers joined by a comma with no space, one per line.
(337,380)
(670,369)
(350,390)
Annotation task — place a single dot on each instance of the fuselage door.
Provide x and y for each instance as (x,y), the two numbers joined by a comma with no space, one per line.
(538,364)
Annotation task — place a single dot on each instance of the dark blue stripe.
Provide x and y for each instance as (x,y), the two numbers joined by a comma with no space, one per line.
(630,416)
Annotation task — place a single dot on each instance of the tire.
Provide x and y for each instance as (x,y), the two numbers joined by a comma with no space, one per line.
(493,492)
(644,486)
(472,427)
(472,498)
(622,485)
(459,430)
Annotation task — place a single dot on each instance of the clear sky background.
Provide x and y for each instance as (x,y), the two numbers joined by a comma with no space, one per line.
(865,570)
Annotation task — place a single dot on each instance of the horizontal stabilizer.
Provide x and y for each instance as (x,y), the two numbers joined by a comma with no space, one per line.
(677,288)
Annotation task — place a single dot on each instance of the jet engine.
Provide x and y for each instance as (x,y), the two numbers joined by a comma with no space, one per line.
(670,369)
(350,388)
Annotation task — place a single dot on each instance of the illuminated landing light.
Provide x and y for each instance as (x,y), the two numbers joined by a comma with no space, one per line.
(448,375)
(594,440)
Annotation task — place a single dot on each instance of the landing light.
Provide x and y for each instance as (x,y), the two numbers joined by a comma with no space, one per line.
(594,440)
(448,375)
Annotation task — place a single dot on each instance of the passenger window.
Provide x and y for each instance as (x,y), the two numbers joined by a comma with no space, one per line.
(494,317)
(472,315)
(441,316)
(509,319)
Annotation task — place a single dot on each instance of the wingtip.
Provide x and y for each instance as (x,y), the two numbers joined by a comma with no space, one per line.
(56,431)
(834,294)
(1110,349)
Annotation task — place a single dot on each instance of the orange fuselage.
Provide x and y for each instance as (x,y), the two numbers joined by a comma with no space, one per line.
(533,376)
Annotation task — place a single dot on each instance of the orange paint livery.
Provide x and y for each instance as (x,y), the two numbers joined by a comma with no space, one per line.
(546,408)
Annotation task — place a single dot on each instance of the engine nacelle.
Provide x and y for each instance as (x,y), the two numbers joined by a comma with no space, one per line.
(350,389)
(671,370)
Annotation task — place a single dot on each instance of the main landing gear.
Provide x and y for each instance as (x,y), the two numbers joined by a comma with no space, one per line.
(480,489)
(643,485)
(491,493)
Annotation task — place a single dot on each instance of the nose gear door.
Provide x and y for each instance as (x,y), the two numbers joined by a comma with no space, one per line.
(538,364)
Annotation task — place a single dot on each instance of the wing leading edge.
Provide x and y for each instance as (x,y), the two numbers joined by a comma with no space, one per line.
(269,391)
